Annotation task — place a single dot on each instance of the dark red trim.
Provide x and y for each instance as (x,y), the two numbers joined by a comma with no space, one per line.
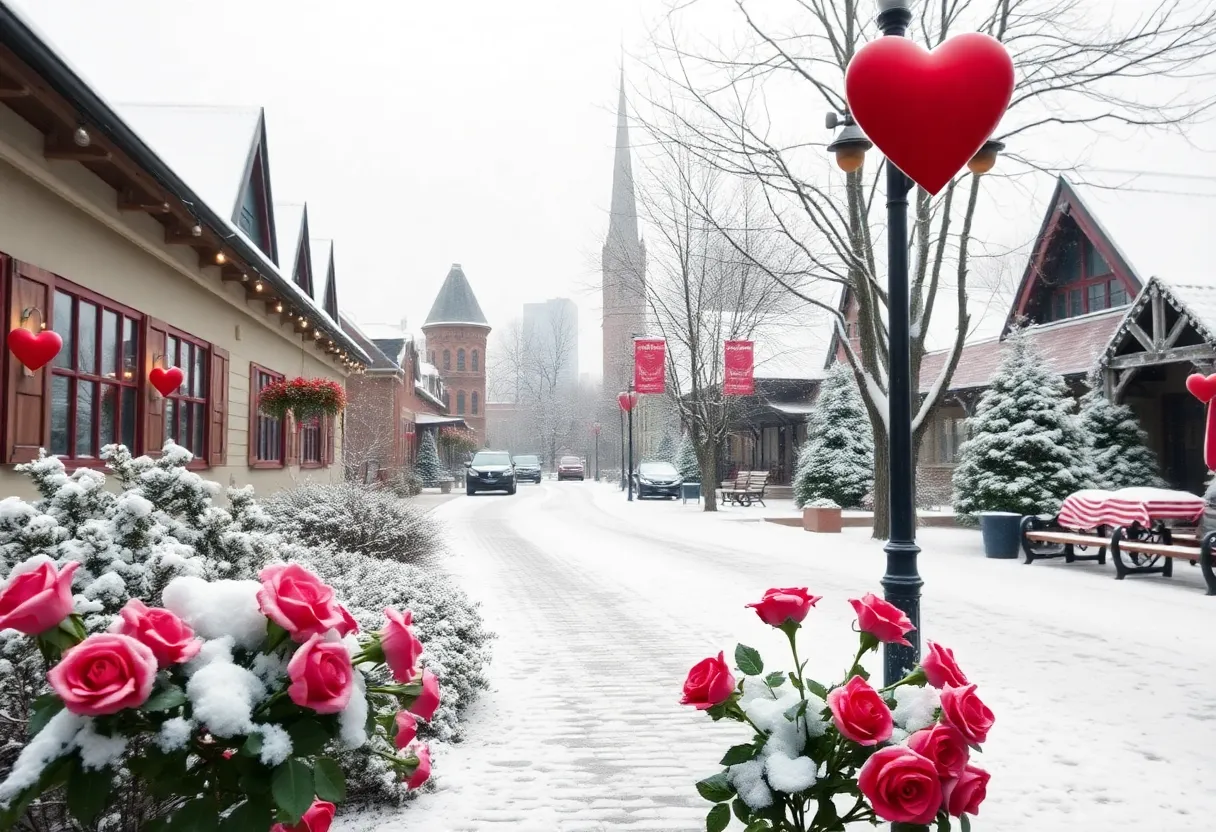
(254,418)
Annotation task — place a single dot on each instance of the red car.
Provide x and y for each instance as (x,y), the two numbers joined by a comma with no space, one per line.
(570,468)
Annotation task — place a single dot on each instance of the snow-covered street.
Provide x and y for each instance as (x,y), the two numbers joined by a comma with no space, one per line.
(1106,713)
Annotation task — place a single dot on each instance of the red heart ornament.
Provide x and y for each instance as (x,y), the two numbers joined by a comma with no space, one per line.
(34,351)
(1202,387)
(166,380)
(930,112)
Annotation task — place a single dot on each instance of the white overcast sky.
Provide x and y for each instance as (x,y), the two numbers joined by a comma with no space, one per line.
(427,133)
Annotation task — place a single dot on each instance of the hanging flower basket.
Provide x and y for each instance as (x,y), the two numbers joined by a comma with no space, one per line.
(457,440)
(304,398)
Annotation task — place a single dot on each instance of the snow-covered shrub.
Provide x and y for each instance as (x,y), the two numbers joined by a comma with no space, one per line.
(814,758)
(355,518)
(428,466)
(837,460)
(668,446)
(406,483)
(1026,452)
(1118,445)
(822,502)
(686,459)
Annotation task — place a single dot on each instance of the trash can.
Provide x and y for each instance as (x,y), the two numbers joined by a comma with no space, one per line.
(691,491)
(1002,532)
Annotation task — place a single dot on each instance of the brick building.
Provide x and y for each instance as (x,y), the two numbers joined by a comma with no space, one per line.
(456,331)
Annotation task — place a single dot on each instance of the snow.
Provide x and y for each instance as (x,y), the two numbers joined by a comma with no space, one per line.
(218,609)
(789,775)
(352,722)
(174,734)
(748,780)
(97,750)
(601,606)
(222,694)
(276,744)
(915,707)
(56,739)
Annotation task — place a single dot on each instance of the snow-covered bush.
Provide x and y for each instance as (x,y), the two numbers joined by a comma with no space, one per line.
(686,459)
(817,758)
(822,502)
(1026,452)
(355,518)
(668,446)
(428,466)
(837,460)
(406,483)
(1118,445)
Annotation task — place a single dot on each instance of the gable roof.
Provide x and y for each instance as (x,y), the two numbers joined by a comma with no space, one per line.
(456,303)
(379,360)
(322,252)
(292,233)
(329,302)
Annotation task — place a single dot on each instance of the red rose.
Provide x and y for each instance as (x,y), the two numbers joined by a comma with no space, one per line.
(37,596)
(940,668)
(321,675)
(944,745)
(298,601)
(168,637)
(401,647)
(407,729)
(428,701)
(860,714)
(781,605)
(318,818)
(966,712)
(883,620)
(709,683)
(964,794)
(901,785)
(423,772)
(104,674)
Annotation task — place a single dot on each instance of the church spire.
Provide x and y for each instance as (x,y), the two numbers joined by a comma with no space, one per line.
(623,223)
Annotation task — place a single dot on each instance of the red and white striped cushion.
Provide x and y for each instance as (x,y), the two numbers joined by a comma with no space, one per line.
(1091,508)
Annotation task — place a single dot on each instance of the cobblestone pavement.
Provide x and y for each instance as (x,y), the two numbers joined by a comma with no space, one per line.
(602,607)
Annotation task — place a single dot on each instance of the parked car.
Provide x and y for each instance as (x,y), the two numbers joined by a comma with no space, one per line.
(657,479)
(527,468)
(571,468)
(489,471)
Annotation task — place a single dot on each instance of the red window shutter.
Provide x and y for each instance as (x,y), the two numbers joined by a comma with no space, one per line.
(251,435)
(155,336)
(27,424)
(293,440)
(328,457)
(217,406)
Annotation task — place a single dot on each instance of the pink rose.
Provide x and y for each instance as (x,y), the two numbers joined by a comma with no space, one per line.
(901,785)
(407,729)
(168,637)
(940,668)
(428,701)
(423,772)
(401,647)
(298,601)
(349,624)
(966,712)
(944,745)
(881,619)
(781,605)
(104,674)
(709,683)
(37,596)
(318,818)
(860,714)
(964,794)
(321,675)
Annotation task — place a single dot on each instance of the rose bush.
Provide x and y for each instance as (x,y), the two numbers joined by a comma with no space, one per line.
(900,754)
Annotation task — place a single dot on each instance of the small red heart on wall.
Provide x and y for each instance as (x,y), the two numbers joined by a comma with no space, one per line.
(1202,387)
(34,351)
(166,380)
(930,112)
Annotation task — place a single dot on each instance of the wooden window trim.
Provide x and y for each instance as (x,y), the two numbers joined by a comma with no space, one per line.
(202,457)
(320,426)
(252,433)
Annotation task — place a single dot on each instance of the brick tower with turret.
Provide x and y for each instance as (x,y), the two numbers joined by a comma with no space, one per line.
(456,333)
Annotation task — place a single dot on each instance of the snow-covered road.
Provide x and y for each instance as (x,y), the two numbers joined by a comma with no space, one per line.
(1105,691)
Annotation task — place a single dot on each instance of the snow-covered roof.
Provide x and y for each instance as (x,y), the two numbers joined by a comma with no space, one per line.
(428,369)
(210,147)
(421,390)
(382,331)
(321,251)
(1200,300)
(289,228)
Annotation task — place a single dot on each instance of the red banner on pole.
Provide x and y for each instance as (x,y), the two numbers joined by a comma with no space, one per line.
(740,369)
(649,365)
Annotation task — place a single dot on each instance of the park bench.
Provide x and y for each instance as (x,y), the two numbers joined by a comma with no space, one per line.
(747,488)
(1060,542)
(1144,551)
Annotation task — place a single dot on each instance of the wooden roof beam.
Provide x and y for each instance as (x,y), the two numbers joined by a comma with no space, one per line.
(60,146)
(12,88)
(131,199)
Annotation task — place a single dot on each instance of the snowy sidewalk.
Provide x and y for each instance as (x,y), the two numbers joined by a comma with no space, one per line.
(1106,719)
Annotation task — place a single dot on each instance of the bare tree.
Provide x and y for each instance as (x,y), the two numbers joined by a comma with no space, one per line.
(368,437)
(1078,68)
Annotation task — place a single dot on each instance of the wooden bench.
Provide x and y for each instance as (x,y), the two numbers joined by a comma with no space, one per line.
(1144,554)
(747,488)
(1061,543)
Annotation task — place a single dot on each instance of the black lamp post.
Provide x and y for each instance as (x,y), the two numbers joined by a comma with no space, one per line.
(902,581)
(628,401)
(595,429)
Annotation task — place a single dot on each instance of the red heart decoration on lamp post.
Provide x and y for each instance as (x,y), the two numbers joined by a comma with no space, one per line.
(34,351)
(1202,387)
(166,380)
(930,112)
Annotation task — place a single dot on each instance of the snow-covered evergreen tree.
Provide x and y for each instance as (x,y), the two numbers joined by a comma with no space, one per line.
(686,460)
(668,447)
(428,467)
(837,460)
(1118,445)
(1026,451)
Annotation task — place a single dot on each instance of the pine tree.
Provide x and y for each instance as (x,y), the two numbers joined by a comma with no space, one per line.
(1026,451)
(1118,445)
(686,460)
(837,461)
(668,447)
(428,467)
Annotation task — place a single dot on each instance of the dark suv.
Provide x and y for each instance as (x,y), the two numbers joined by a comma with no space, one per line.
(657,479)
(527,468)
(490,471)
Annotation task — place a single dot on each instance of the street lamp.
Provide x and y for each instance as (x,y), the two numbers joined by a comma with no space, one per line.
(902,582)
(628,401)
(596,427)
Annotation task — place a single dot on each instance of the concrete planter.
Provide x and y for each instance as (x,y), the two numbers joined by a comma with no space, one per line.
(822,520)
(445,486)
